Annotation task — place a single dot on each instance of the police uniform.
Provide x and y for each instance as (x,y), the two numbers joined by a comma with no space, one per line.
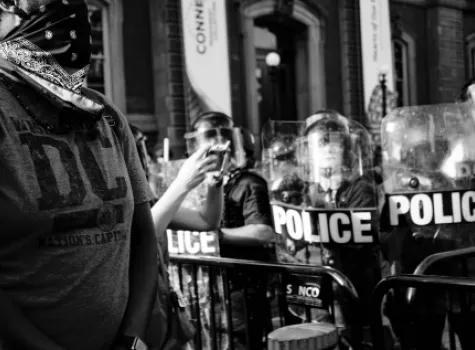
(359,262)
(246,203)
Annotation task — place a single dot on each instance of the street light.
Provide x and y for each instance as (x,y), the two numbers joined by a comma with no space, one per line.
(383,71)
(273,61)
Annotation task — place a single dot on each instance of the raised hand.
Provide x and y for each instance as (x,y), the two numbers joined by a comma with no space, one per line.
(194,170)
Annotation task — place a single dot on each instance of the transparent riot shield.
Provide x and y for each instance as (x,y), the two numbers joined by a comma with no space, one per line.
(192,281)
(324,202)
(428,167)
(428,158)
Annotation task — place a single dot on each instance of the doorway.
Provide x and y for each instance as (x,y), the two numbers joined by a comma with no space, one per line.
(280,83)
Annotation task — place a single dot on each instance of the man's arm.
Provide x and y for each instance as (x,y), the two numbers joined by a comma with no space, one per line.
(208,216)
(191,174)
(248,235)
(17,330)
(143,273)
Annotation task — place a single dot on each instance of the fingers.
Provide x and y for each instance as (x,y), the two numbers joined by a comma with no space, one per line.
(207,163)
(207,167)
(201,151)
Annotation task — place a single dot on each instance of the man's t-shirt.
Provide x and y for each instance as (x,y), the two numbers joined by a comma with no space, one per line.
(66,207)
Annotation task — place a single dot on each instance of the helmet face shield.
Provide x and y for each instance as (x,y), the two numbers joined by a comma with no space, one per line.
(335,148)
(327,149)
(218,140)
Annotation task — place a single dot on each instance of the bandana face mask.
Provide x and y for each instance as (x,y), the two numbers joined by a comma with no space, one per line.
(51,50)
(53,42)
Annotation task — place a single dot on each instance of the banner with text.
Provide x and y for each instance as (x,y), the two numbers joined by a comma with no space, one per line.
(376,48)
(206,53)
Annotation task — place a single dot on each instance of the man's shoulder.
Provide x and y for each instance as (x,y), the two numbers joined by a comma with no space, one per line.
(250,177)
(245,181)
(360,190)
(110,109)
(363,182)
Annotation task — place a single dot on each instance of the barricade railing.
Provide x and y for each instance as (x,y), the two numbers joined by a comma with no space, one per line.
(215,264)
(458,258)
(459,255)
(440,283)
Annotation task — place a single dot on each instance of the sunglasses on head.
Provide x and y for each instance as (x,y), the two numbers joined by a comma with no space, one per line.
(10,6)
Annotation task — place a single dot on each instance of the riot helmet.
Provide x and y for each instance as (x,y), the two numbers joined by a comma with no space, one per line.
(213,127)
(282,151)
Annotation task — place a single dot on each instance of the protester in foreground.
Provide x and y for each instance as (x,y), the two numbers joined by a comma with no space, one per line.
(77,246)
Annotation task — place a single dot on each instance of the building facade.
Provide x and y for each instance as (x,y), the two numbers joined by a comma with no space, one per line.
(141,63)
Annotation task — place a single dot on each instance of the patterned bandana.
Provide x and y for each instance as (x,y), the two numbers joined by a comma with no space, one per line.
(51,50)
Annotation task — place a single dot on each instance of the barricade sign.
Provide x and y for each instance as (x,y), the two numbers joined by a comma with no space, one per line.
(307,291)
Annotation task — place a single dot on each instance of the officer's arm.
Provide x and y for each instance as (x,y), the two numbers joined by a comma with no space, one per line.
(248,235)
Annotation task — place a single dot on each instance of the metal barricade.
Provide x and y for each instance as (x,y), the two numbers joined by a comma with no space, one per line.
(447,284)
(455,257)
(215,264)
(459,255)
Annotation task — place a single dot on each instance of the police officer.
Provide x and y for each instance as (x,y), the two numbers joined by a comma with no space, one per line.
(338,180)
(246,229)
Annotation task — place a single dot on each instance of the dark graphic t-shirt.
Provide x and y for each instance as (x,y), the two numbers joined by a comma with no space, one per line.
(67,202)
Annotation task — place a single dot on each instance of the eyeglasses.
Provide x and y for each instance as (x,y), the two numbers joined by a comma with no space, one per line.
(10,6)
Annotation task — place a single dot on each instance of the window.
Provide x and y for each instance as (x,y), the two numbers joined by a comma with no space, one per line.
(99,70)
(470,52)
(404,69)
(401,72)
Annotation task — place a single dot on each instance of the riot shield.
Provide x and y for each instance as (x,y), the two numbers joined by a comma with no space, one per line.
(324,202)
(428,167)
(194,282)
(428,158)
(320,182)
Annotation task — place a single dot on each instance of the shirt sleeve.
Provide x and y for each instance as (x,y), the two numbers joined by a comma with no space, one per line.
(256,204)
(140,186)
